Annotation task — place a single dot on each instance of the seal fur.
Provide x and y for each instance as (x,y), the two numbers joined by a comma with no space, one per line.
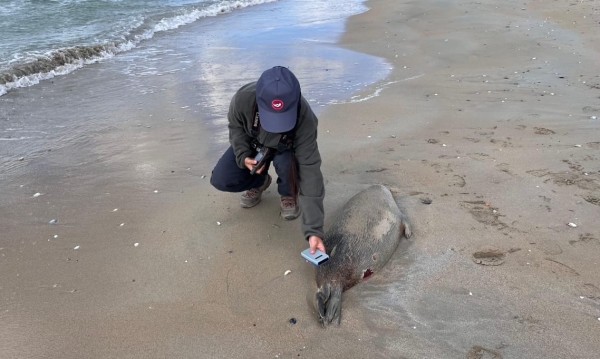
(361,240)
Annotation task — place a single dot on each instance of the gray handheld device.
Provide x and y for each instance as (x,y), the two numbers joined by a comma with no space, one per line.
(315,259)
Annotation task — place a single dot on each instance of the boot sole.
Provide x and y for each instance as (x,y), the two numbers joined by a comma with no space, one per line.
(289,217)
(244,205)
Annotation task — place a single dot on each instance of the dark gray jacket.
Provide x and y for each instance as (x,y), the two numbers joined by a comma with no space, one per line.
(312,189)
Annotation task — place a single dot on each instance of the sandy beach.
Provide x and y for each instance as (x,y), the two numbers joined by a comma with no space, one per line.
(489,113)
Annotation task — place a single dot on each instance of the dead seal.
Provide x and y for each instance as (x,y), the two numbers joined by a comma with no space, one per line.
(360,241)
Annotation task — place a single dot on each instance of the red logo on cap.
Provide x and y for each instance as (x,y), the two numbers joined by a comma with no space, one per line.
(277,105)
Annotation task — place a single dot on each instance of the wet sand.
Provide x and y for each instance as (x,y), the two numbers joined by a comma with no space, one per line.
(487,113)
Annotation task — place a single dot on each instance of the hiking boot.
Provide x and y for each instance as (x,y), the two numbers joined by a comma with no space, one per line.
(289,208)
(251,197)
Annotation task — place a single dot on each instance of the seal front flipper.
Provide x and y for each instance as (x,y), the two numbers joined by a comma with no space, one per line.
(405,226)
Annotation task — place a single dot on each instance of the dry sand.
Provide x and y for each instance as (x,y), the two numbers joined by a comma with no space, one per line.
(487,113)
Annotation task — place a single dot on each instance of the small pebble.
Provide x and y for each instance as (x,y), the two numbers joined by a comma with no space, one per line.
(56,236)
(293,321)
(571,224)
(443,145)
(76,247)
(155,191)
(287,272)
(218,223)
(53,221)
(121,225)
(202,176)
(37,194)
(136,244)
(426,201)
(577,145)
(593,117)
(470,293)
(116,209)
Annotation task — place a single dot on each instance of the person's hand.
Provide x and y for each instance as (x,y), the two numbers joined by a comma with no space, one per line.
(249,162)
(315,243)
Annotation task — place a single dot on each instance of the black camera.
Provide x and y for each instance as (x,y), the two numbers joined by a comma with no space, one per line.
(260,158)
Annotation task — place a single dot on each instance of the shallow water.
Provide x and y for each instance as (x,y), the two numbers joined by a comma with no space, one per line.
(203,62)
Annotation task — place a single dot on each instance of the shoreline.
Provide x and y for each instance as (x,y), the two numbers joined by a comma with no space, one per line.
(473,123)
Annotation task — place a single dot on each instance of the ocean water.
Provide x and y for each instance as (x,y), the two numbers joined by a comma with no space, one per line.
(41,39)
(72,79)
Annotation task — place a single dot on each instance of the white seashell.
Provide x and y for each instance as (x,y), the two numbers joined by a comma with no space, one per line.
(76,247)
(571,224)
(37,194)
(287,272)
(218,223)
(136,244)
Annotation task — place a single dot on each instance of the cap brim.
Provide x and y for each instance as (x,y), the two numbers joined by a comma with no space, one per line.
(279,122)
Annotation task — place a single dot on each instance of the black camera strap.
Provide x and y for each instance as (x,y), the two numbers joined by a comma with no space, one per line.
(255,124)
(285,140)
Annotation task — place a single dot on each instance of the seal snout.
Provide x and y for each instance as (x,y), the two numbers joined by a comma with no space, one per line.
(329,304)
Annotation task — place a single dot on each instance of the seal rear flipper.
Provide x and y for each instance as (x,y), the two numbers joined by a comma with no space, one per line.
(334,306)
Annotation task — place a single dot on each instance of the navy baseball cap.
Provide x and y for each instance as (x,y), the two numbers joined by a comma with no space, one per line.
(278,98)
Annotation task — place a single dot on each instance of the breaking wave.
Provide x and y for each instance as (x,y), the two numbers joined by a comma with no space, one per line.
(30,70)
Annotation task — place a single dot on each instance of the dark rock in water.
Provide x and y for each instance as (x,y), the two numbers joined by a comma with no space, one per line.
(292,320)
(360,241)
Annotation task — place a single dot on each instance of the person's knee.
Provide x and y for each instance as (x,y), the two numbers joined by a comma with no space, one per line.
(218,183)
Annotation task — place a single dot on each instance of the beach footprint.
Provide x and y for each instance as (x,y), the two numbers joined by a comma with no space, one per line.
(543,131)
(489,256)
(479,352)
